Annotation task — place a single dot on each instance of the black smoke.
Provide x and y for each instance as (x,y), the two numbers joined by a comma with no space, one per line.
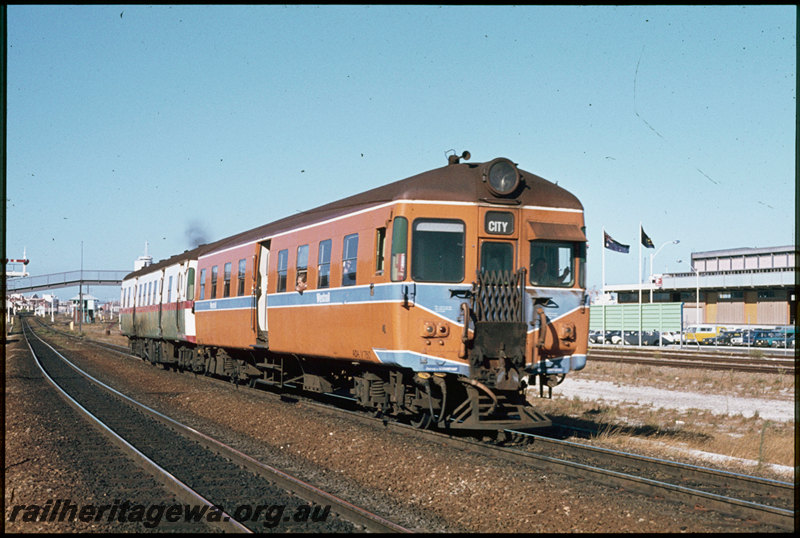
(196,234)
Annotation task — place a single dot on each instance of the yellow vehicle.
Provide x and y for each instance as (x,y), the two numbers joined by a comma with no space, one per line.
(703,334)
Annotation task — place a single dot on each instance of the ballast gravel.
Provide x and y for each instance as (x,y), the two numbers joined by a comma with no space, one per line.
(422,485)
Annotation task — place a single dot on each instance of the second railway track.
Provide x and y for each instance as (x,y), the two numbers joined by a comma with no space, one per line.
(234,493)
(739,361)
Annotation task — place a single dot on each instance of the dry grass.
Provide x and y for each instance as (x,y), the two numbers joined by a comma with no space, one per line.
(664,432)
(748,385)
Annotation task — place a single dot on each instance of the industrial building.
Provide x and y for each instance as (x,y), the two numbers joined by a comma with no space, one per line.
(735,287)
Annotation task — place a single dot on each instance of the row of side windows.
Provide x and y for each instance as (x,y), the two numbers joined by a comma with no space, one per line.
(147,294)
(349,263)
(226,280)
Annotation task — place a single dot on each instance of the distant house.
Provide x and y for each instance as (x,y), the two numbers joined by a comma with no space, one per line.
(90,307)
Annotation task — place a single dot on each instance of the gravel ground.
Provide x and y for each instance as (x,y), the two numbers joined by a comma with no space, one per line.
(718,404)
(419,484)
(46,464)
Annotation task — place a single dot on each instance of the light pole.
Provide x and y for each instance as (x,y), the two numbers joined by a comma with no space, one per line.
(697,291)
(80,296)
(652,267)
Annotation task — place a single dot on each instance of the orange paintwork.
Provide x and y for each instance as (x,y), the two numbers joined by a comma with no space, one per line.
(352,331)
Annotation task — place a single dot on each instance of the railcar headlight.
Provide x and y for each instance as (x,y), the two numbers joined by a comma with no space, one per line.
(502,176)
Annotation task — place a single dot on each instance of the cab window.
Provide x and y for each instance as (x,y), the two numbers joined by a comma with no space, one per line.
(437,250)
(497,256)
(552,264)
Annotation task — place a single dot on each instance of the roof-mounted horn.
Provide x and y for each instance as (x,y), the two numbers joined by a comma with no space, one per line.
(455,159)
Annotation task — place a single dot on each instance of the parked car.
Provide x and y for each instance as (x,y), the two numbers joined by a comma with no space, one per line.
(701,334)
(769,339)
(610,337)
(595,337)
(670,337)
(649,338)
(744,338)
(725,338)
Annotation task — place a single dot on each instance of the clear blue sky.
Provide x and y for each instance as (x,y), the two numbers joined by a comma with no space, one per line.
(140,123)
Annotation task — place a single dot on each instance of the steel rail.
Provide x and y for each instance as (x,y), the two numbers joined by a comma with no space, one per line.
(725,361)
(777,516)
(184,492)
(720,478)
(351,512)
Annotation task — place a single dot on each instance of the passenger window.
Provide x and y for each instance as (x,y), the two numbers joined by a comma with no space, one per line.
(169,291)
(380,243)
(497,256)
(283,265)
(226,282)
(349,260)
(240,277)
(214,276)
(324,264)
(399,246)
(302,268)
(551,264)
(190,285)
(437,251)
(202,284)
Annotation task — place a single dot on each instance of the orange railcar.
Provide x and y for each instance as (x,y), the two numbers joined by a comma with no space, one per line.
(441,297)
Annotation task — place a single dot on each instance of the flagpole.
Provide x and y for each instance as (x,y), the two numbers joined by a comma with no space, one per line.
(603,284)
(640,283)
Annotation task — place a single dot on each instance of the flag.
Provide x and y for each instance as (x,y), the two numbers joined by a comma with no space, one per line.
(646,241)
(613,245)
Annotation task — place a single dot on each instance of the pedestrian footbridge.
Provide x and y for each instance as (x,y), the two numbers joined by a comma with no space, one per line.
(65,280)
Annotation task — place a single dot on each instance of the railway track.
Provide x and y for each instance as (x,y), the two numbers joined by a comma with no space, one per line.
(233,492)
(754,361)
(739,495)
(742,496)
